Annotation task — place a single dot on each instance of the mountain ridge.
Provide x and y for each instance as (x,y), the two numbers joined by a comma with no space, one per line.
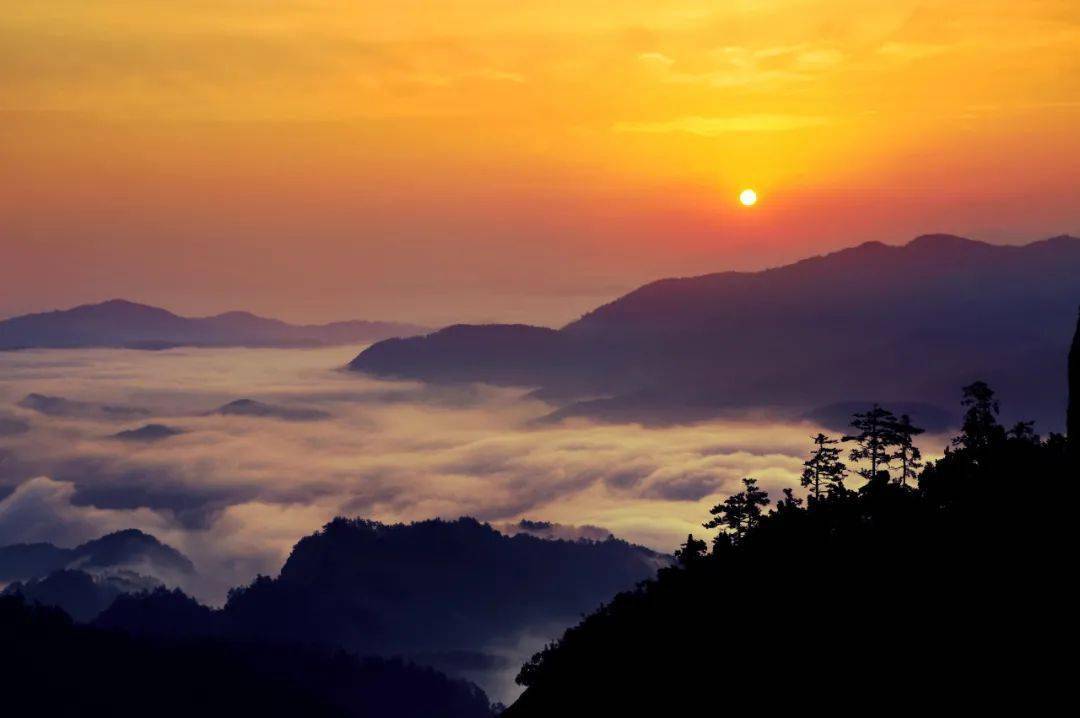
(124,323)
(119,549)
(857,320)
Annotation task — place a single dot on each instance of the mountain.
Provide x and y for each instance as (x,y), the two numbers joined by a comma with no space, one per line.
(60,406)
(120,323)
(148,433)
(32,560)
(132,547)
(60,668)
(128,549)
(433,585)
(887,599)
(869,323)
(85,580)
(81,595)
(250,407)
(455,594)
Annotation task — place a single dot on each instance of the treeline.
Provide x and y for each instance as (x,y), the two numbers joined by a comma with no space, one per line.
(882,451)
(888,585)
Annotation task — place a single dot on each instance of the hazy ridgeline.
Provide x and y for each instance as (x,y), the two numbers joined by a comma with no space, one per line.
(869,323)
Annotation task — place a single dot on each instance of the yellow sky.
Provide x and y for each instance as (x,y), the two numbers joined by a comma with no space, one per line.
(486,159)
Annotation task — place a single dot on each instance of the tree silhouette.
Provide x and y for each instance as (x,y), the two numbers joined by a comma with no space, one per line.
(877,434)
(690,552)
(740,512)
(889,544)
(1023,431)
(907,453)
(823,470)
(790,504)
(980,429)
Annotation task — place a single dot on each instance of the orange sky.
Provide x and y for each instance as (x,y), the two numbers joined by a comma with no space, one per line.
(482,159)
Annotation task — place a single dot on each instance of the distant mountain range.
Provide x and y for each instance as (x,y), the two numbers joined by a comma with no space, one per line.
(126,549)
(869,323)
(86,579)
(120,323)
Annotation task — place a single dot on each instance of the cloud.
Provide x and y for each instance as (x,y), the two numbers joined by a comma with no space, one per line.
(236,492)
(550,530)
(41,509)
(716,126)
(10,425)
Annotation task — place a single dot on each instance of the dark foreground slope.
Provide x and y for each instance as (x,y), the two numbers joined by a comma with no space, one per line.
(120,323)
(950,597)
(870,323)
(54,668)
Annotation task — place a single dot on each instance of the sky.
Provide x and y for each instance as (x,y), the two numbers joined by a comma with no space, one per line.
(482,160)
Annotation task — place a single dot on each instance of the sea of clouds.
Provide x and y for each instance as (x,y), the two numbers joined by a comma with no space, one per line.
(235,493)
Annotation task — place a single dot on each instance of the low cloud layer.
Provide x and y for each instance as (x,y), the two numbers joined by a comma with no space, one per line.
(236,492)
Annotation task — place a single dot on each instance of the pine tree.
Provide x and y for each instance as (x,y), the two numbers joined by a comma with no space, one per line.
(876,437)
(907,453)
(690,552)
(740,512)
(824,472)
(980,429)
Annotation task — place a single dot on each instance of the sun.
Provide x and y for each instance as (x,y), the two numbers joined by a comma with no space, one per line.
(748,197)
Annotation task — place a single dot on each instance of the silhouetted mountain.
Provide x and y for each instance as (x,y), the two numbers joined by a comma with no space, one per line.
(120,323)
(434,589)
(148,433)
(162,613)
(496,353)
(431,586)
(870,322)
(888,599)
(62,669)
(132,547)
(32,560)
(59,406)
(81,595)
(250,407)
(128,549)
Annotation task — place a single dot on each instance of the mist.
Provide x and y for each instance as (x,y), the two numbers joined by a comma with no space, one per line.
(236,492)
